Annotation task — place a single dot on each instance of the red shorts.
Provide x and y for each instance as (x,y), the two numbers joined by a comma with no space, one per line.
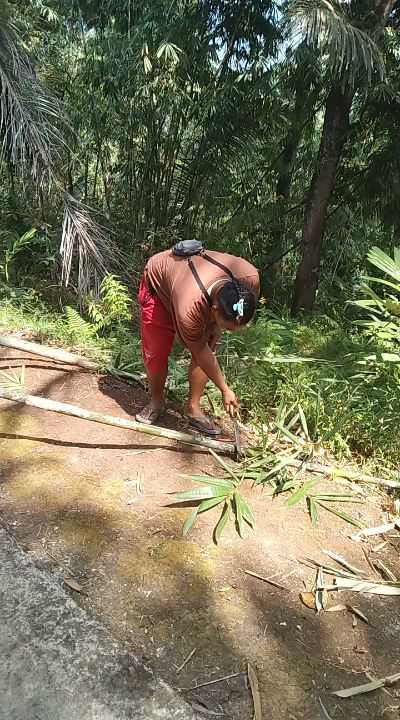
(157,330)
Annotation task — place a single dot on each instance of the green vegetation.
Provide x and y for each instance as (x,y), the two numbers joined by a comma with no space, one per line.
(267,129)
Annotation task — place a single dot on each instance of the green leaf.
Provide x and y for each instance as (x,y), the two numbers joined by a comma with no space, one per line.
(211,481)
(381,281)
(189,522)
(337,498)
(247,512)
(342,515)
(312,509)
(196,494)
(226,467)
(212,502)
(304,423)
(221,524)
(284,487)
(277,468)
(302,492)
(293,438)
(237,508)
(384,262)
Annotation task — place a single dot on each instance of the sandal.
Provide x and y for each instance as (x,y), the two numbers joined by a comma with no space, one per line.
(149,415)
(204,425)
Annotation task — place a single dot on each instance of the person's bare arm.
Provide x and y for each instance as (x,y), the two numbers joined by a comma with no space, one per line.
(209,364)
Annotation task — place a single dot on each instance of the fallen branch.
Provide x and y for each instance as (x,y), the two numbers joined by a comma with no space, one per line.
(74,411)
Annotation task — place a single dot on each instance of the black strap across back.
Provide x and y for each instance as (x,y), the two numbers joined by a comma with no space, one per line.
(199,280)
(189,248)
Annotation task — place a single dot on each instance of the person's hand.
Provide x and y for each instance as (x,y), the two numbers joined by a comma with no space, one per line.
(231,404)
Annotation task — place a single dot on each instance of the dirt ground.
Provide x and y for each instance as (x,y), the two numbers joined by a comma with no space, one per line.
(68,494)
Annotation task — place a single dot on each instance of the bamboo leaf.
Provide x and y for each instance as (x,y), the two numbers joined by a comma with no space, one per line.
(211,481)
(221,524)
(74,585)
(237,507)
(208,504)
(338,498)
(197,494)
(312,509)
(189,522)
(367,687)
(289,435)
(341,514)
(302,492)
(225,465)
(304,423)
(247,513)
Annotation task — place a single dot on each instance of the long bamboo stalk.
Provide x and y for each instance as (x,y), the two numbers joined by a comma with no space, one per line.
(62,356)
(74,411)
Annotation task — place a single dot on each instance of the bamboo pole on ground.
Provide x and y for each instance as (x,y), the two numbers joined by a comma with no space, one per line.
(64,357)
(74,411)
(52,353)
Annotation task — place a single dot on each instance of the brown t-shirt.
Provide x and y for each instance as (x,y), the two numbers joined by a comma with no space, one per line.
(173,281)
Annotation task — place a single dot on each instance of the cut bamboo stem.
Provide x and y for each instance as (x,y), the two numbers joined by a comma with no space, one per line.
(74,411)
(53,353)
(335,471)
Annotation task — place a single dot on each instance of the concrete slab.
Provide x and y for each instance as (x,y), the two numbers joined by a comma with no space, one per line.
(57,663)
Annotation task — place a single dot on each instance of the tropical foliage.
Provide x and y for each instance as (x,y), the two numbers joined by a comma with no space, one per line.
(267,128)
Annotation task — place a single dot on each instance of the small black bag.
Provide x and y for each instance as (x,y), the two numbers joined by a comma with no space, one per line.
(186,248)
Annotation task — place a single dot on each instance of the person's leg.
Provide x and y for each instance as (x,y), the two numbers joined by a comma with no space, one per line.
(155,407)
(197,383)
(157,334)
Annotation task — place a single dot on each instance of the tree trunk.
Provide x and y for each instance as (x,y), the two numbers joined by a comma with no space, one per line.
(270,279)
(334,133)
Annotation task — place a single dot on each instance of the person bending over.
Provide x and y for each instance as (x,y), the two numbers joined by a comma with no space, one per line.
(195,297)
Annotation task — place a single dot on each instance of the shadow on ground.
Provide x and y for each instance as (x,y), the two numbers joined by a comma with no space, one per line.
(69,493)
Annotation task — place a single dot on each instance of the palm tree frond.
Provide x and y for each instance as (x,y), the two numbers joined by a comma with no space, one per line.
(350,52)
(30,118)
(87,240)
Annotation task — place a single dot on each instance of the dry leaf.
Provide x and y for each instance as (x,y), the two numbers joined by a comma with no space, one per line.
(368,687)
(337,608)
(267,580)
(379,530)
(255,691)
(367,586)
(308,599)
(387,574)
(357,612)
(380,546)
(324,710)
(342,561)
(200,707)
(74,585)
(319,592)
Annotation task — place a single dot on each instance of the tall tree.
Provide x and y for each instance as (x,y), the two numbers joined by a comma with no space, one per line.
(349,35)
